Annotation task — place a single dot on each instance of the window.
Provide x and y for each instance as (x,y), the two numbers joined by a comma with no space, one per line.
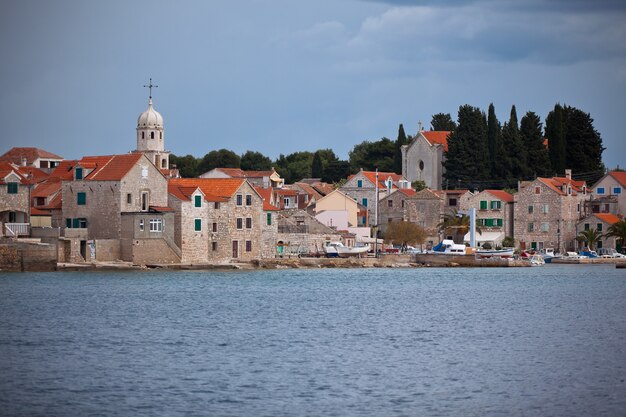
(545,227)
(68,223)
(248,200)
(197,225)
(586,226)
(546,208)
(599,228)
(79,173)
(156,225)
(81,198)
(11,188)
(489,222)
(216,205)
(143,135)
(129,198)
(578,208)
(197,199)
(364,201)
(214,227)
(359,183)
(531,227)
(617,190)
(77,223)
(151,135)
(452,202)
(483,205)
(239,200)
(144,201)
(269,219)
(213,246)
(496,205)
(530,209)
(239,223)
(286,202)
(537,190)
(248,246)
(141,225)
(600,190)
(390,203)
(248,222)
(499,222)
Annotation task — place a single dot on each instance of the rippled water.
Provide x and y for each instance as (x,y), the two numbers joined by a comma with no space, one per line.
(377,342)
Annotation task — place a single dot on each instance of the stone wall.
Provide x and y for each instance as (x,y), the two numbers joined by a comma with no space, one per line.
(28,257)
(107,250)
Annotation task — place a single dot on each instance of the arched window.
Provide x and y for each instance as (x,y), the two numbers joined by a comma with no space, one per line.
(151,135)
(421,165)
(143,135)
(161,135)
(164,163)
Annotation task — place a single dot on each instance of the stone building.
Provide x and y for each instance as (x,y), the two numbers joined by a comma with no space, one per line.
(425,208)
(221,220)
(115,207)
(369,187)
(263,179)
(392,207)
(494,216)
(601,222)
(15,195)
(422,158)
(301,233)
(32,157)
(546,212)
(609,194)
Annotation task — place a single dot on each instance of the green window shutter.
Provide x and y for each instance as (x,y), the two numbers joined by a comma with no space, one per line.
(499,222)
(359,183)
(365,202)
(198,225)
(489,222)
(269,219)
(75,223)
(599,228)
(198,200)
(81,199)
(79,173)
(68,223)
(483,205)
(11,188)
(586,226)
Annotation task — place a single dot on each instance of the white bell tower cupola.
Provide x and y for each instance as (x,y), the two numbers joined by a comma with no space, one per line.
(150,135)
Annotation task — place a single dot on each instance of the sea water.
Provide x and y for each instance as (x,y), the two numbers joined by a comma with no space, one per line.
(547,341)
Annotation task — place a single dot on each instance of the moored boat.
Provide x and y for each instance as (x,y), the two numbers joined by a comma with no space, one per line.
(334,249)
(495,253)
(448,247)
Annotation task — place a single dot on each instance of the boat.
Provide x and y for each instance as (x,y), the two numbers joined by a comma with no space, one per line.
(572,257)
(548,254)
(448,247)
(338,249)
(494,253)
(535,260)
(588,253)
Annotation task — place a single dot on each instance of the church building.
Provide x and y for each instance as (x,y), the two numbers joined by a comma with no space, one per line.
(422,158)
(150,135)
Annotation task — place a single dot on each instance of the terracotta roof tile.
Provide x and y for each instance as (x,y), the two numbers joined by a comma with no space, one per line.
(609,218)
(382,177)
(620,176)
(64,170)
(219,187)
(38,211)
(114,169)
(6,168)
(409,192)
(16,155)
(435,137)
(47,188)
(56,203)
(502,195)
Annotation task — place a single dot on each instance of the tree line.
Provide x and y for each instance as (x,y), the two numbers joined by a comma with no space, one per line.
(482,152)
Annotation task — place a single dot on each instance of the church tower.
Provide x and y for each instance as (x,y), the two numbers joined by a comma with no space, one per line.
(150,137)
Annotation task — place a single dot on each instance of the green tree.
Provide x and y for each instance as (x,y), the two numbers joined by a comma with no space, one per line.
(590,237)
(255,161)
(404,233)
(336,171)
(317,169)
(418,185)
(467,158)
(294,166)
(583,152)
(397,158)
(555,132)
(618,230)
(222,158)
(187,165)
(442,122)
(516,150)
(370,155)
(498,157)
(538,158)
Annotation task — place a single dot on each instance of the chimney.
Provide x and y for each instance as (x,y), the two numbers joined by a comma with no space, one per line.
(24,161)
(568,174)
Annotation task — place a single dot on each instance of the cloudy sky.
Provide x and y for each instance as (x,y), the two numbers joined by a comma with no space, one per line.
(279,76)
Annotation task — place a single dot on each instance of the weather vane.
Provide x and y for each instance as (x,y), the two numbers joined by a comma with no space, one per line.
(150,87)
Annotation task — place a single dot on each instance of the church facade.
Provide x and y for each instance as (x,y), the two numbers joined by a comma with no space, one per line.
(422,158)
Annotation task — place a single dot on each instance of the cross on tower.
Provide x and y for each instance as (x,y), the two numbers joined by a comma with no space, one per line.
(150,87)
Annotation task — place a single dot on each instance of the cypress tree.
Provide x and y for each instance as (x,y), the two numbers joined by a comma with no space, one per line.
(538,157)
(442,122)
(397,158)
(583,151)
(497,153)
(317,169)
(555,132)
(515,147)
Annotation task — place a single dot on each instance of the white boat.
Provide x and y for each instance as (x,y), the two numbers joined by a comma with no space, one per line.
(448,247)
(495,253)
(536,260)
(548,254)
(334,249)
(572,257)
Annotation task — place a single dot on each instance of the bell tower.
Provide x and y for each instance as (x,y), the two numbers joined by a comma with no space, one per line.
(150,134)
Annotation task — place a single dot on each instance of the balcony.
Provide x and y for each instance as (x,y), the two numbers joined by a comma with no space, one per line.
(16,229)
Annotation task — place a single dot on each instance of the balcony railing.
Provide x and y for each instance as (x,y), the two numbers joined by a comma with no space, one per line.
(16,229)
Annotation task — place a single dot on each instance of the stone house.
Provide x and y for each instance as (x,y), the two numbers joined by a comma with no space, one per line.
(425,208)
(221,220)
(454,200)
(601,222)
(546,212)
(301,233)
(263,179)
(15,195)
(494,216)
(33,157)
(336,206)
(609,194)
(115,207)
(392,207)
(369,187)
(422,158)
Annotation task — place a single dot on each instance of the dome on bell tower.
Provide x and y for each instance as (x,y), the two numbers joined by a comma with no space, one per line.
(150,118)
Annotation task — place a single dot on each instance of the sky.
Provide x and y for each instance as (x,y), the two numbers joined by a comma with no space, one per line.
(281,76)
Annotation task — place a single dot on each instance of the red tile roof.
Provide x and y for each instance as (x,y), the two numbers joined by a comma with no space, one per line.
(56,203)
(6,168)
(609,218)
(502,195)
(266,195)
(437,138)
(160,209)
(37,211)
(47,188)
(409,192)
(184,193)
(16,155)
(382,177)
(33,175)
(556,183)
(240,173)
(620,176)
(64,170)
(220,187)
(114,169)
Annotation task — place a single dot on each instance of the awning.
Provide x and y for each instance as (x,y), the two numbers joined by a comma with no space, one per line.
(494,237)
